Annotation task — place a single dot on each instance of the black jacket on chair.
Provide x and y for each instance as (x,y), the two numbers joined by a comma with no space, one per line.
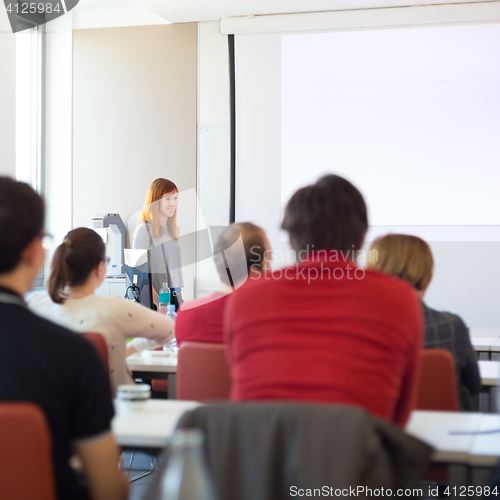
(268,451)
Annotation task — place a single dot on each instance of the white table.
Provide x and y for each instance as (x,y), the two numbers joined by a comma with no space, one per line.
(486,332)
(486,342)
(162,368)
(490,373)
(485,449)
(453,449)
(469,456)
(434,426)
(138,363)
(495,350)
(151,427)
(483,344)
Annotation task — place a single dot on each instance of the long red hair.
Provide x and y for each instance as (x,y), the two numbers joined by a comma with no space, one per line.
(150,212)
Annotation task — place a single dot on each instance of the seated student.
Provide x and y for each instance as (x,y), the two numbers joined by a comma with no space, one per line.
(78,268)
(201,320)
(410,259)
(47,365)
(324,330)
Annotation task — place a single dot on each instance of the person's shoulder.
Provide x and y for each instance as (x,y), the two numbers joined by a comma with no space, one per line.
(141,229)
(203,301)
(435,317)
(42,305)
(52,332)
(38,301)
(387,283)
(196,311)
(122,311)
(95,311)
(113,305)
(389,291)
(191,312)
(257,289)
(271,280)
(124,305)
(141,233)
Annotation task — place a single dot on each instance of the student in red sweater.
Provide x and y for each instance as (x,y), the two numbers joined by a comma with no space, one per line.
(247,253)
(324,329)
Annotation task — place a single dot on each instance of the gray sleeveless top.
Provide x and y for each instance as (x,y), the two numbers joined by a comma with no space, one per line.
(165,256)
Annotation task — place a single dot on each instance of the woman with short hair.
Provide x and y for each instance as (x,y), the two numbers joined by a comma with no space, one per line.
(410,259)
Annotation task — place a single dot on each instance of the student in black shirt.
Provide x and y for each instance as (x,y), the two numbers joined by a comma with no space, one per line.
(49,365)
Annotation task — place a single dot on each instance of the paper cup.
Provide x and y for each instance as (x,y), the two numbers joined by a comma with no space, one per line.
(133,397)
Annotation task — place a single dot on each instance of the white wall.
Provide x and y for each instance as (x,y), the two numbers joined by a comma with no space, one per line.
(110,130)
(58,128)
(134,118)
(7,96)
(467,274)
(467,281)
(213,139)
(134,115)
(258,136)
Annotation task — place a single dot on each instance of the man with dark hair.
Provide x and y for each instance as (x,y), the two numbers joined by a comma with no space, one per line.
(331,202)
(50,366)
(326,330)
(241,252)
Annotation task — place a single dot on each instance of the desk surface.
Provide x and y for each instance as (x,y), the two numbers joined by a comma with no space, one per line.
(483,343)
(151,427)
(490,372)
(495,347)
(138,363)
(485,449)
(485,332)
(434,428)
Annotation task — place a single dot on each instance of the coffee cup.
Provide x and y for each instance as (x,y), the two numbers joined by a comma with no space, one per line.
(133,397)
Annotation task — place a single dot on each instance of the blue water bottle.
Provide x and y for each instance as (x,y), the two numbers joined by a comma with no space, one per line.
(164,299)
(171,311)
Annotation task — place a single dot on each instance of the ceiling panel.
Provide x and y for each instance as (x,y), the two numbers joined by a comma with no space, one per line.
(176,11)
(108,13)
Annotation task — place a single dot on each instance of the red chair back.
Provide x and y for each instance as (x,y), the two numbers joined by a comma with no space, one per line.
(26,469)
(100,344)
(202,372)
(437,388)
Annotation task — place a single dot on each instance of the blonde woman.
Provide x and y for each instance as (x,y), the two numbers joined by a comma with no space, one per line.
(158,232)
(410,258)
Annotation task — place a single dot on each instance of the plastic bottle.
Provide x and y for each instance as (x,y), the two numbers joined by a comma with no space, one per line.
(186,476)
(171,311)
(172,346)
(164,299)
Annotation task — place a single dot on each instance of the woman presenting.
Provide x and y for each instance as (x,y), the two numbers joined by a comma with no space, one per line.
(158,232)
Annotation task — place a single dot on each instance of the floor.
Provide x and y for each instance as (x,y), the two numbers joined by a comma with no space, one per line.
(141,462)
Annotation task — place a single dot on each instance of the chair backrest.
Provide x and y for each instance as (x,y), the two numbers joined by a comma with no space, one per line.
(100,344)
(437,389)
(202,372)
(26,468)
(259,450)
